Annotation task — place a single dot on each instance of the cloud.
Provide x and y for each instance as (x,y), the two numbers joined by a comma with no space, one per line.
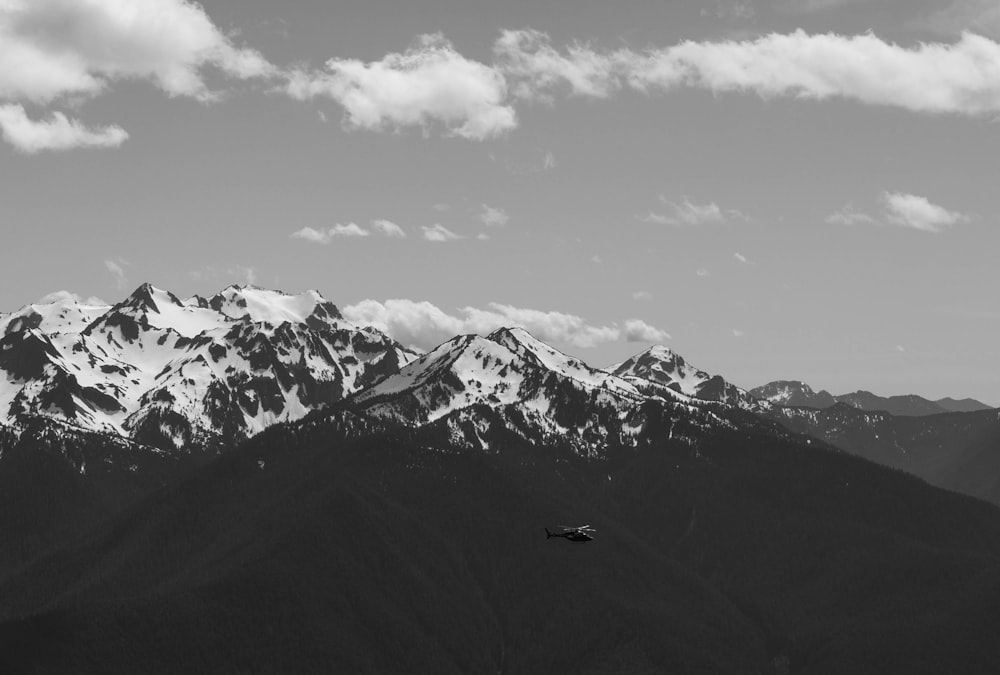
(429,84)
(548,161)
(388,229)
(326,235)
(117,268)
(534,69)
(63,296)
(55,48)
(439,233)
(849,216)
(688,213)
(57,133)
(68,50)
(424,325)
(741,258)
(493,217)
(904,210)
(701,272)
(962,77)
(737,333)
(642,295)
(637,330)
(919,213)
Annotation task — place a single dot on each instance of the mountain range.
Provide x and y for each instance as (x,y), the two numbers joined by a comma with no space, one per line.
(792,393)
(248,482)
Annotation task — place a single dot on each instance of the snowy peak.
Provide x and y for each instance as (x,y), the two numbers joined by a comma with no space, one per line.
(666,369)
(260,305)
(59,312)
(173,374)
(521,342)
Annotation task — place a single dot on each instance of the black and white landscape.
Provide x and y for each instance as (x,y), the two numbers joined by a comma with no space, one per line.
(644,337)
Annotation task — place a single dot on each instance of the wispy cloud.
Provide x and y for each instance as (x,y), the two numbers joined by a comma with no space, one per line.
(428,85)
(57,133)
(116,266)
(326,235)
(438,233)
(687,212)
(424,325)
(493,217)
(702,272)
(959,77)
(642,295)
(741,258)
(850,216)
(905,210)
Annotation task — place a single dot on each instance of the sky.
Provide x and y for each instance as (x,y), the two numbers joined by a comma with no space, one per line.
(774,189)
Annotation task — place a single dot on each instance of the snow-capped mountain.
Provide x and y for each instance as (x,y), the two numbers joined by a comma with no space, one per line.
(176,373)
(511,384)
(669,371)
(211,371)
(793,393)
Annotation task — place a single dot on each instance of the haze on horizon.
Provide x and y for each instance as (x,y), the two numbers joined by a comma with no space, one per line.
(775,189)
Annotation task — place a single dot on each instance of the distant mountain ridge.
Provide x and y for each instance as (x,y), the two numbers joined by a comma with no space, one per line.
(792,393)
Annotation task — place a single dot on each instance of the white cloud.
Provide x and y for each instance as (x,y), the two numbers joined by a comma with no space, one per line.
(439,233)
(117,268)
(919,213)
(548,161)
(597,260)
(904,210)
(687,212)
(737,333)
(326,235)
(642,295)
(741,258)
(429,84)
(493,217)
(701,272)
(62,296)
(962,77)
(54,48)
(57,133)
(388,228)
(637,330)
(534,68)
(424,325)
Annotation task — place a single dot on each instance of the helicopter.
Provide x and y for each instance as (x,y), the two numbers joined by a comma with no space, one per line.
(579,535)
